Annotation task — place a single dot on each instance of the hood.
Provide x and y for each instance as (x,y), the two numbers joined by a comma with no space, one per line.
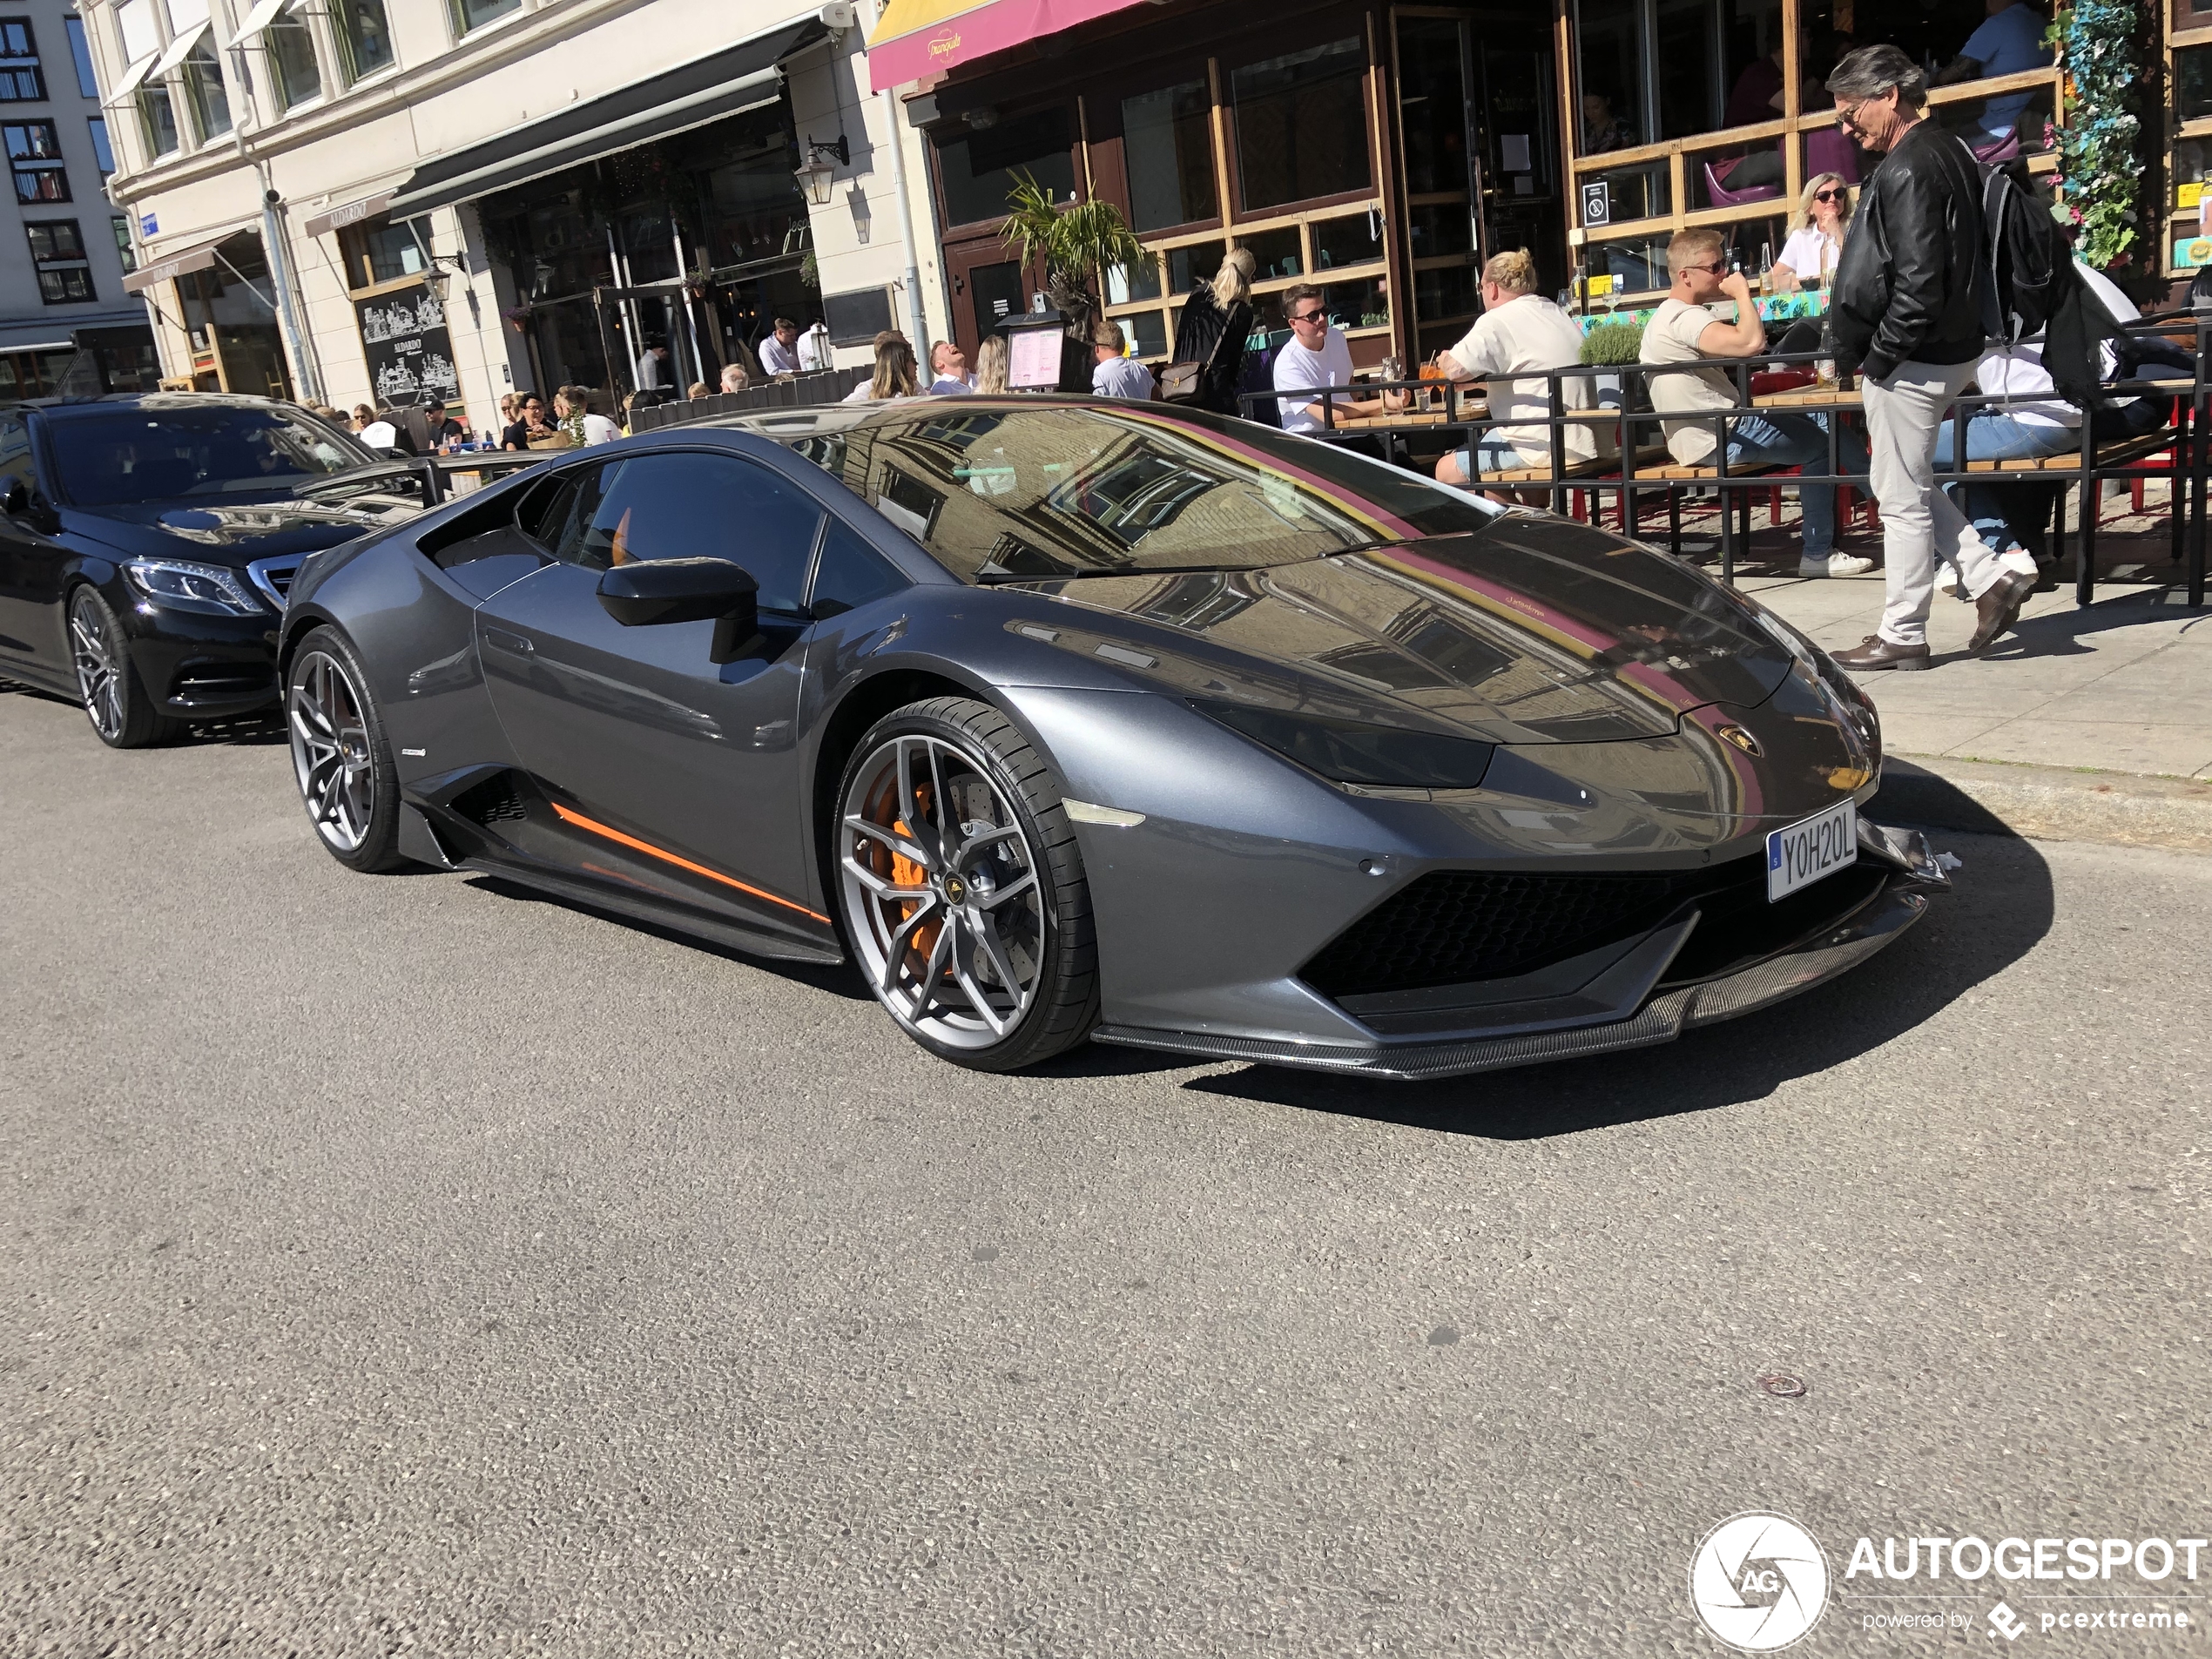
(234,532)
(1532,631)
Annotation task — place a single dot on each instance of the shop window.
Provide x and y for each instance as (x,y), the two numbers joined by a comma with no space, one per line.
(1441,231)
(124,251)
(1167,145)
(1172,271)
(1147,333)
(292,59)
(211,103)
(2193,83)
(1276,254)
(1432,104)
(1357,305)
(1302,125)
(102,151)
(1689,99)
(1447,291)
(35,155)
(21,79)
(978,167)
(158,120)
(80,52)
(1609,43)
(1353,241)
(377,251)
(364,36)
(475,14)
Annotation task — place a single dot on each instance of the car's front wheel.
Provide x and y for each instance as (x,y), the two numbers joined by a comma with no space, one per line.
(115,700)
(340,755)
(961,887)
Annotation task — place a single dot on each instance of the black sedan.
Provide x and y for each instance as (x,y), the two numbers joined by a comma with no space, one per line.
(1064,719)
(146,542)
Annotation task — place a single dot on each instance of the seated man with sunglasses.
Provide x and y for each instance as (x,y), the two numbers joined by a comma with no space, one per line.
(1684,330)
(1315,356)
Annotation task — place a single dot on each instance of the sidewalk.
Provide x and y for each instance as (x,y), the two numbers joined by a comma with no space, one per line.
(2089,724)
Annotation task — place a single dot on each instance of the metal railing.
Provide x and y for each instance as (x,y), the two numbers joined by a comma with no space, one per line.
(1627,411)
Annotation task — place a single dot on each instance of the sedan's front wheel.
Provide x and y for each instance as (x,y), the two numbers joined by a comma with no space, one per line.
(339,756)
(962,889)
(115,700)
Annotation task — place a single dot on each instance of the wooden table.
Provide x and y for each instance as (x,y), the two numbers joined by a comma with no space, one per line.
(1810,397)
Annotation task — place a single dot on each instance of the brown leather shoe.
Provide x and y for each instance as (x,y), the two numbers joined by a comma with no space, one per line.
(2000,606)
(1874,651)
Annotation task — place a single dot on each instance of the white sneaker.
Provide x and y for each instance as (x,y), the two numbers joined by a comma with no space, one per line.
(1835,564)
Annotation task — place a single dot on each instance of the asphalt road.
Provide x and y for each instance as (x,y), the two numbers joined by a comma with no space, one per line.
(404,1265)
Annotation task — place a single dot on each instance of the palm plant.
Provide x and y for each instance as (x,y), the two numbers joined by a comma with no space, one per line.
(1078,243)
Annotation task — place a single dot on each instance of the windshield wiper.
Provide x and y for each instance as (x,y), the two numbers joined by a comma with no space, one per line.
(997,579)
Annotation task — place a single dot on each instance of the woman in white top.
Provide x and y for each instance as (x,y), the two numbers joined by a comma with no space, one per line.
(1816,233)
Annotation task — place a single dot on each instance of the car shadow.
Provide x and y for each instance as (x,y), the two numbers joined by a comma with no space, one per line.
(1999,907)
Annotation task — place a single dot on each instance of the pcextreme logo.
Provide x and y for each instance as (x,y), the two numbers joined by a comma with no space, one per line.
(1759,1583)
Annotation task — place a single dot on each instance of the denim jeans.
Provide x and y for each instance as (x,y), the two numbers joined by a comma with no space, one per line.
(1781,440)
(1489,455)
(1995,509)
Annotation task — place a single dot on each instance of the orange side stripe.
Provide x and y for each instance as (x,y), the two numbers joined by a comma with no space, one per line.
(650,851)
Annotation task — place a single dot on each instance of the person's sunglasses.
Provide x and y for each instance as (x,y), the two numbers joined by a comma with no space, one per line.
(1830,195)
(1717,269)
(1308,316)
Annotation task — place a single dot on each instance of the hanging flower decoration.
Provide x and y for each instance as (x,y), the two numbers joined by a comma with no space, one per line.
(2101,172)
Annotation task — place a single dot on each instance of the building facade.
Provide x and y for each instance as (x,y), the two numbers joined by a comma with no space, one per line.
(63,265)
(385,201)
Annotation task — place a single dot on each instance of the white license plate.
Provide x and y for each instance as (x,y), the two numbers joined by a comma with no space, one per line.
(1800,855)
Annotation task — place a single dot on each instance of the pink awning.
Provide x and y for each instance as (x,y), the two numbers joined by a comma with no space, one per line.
(920,38)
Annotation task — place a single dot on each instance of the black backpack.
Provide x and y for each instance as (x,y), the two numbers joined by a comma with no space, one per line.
(2027,266)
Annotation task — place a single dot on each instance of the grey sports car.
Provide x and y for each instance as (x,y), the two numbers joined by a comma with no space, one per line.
(1065,719)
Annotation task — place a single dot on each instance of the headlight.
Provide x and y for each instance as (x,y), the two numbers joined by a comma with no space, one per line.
(1351,752)
(211,590)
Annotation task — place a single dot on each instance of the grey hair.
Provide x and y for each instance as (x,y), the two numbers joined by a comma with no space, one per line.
(1871,71)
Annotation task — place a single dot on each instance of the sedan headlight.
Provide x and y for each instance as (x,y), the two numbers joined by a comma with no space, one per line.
(211,590)
(1352,752)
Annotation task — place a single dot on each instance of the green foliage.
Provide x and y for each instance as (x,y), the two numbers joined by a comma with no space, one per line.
(1611,344)
(2102,177)
(1078,243)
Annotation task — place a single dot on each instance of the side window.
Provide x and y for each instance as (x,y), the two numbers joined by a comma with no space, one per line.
(683,506)
(543,508)
(850,574)
(14,452)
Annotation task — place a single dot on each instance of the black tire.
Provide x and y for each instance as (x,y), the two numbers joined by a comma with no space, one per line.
(341,759)
(1050,945)
(122,712)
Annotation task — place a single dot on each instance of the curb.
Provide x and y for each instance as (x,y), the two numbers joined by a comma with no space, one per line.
(2045,803)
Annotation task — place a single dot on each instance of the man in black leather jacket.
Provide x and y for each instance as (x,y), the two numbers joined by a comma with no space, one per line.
(1907,311)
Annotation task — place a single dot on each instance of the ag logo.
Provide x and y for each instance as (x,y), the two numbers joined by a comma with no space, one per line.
(1758,1581)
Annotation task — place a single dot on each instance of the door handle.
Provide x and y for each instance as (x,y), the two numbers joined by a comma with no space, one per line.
(500,639)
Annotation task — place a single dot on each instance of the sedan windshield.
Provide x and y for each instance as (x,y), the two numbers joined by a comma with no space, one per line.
(999,492)
(116,456)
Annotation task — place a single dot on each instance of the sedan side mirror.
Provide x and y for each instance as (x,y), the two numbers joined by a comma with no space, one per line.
(16,502)
(644,592)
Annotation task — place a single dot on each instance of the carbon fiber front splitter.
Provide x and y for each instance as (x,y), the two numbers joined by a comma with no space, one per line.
(1875,924)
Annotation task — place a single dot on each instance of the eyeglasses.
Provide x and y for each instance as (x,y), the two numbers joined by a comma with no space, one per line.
(1830,195)
(1308,316)
(1717,270)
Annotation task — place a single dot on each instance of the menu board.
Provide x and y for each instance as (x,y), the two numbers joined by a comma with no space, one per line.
(1033,358)
(410,354)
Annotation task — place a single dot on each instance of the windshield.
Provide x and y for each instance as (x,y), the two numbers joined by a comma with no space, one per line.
(113,457)
(1004,493)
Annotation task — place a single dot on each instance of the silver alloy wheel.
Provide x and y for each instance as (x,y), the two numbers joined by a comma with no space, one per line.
(330,753)
(100,668)
(940,893)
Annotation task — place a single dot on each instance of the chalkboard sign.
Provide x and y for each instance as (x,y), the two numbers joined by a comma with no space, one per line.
(410,354)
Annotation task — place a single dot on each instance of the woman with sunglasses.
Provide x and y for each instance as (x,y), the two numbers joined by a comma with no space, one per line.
(532,425)
(1816,233)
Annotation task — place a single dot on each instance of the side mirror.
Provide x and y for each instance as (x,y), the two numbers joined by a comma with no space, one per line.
(16,502)
(645,592)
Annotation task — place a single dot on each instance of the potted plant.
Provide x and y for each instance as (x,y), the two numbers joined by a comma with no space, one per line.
(1613,343)
(1079,242)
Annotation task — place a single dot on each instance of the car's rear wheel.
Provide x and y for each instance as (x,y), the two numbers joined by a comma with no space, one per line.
(115,700)
(339,756)
(961,887)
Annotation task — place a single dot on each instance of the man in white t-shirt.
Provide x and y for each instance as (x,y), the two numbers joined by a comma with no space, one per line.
(779,352)
(948,375)
(1316,356)
(1685,329)
(1519,332)
(1113,371)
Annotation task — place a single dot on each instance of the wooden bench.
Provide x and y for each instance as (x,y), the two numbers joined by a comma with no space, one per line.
(2117,454)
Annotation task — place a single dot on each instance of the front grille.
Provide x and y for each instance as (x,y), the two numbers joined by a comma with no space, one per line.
(1455,926)
(273,576)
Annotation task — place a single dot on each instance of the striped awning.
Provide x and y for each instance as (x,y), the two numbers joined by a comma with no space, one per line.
(918,38)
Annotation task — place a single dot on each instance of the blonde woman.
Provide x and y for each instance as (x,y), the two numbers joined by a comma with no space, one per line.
(1816,233)
(990,367)
(895,371)
(1215,321)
